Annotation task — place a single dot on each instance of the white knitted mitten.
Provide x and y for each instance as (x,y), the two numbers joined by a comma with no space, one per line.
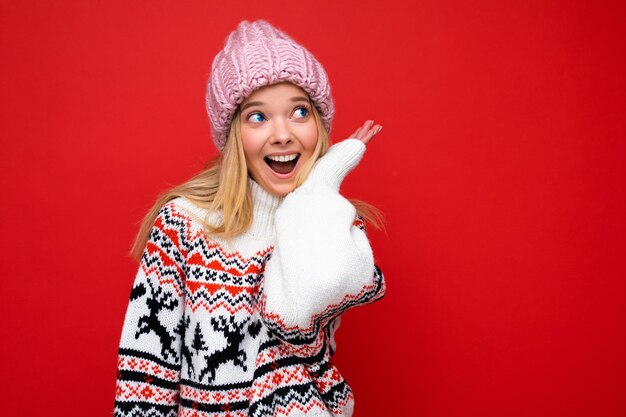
(321,264)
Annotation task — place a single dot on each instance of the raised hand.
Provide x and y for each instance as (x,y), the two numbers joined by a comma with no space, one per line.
(366,132)
(341,158)
(315,222)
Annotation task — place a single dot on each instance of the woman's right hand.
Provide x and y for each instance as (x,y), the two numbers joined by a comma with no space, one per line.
(366,132)
(341,158)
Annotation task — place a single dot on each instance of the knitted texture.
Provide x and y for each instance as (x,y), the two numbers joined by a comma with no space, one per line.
(312,223)
(203,336)
(255,55)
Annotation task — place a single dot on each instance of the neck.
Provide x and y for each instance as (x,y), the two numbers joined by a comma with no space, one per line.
(264,206)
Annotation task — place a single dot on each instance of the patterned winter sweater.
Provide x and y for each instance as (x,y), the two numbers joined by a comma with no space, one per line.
(246,327)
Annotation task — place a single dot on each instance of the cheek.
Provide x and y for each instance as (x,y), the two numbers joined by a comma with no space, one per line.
(251,145)
(309,139)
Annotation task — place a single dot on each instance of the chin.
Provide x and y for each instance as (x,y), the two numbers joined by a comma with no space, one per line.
(281,191)
(278,187)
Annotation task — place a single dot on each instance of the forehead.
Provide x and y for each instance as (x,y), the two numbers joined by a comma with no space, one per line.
(278,91)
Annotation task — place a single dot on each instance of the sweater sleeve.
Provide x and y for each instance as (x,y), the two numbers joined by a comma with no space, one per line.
(322,263)
(149,359)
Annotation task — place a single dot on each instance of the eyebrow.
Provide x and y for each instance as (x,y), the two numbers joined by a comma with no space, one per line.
(260,103)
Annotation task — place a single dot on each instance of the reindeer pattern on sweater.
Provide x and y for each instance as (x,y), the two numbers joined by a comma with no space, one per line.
(206,335)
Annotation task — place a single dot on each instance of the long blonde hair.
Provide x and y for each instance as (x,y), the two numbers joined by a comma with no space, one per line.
(223,186)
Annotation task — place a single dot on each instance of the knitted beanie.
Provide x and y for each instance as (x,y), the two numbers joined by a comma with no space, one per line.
(255,55)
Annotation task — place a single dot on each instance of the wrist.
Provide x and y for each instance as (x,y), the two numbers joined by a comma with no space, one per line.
(336,164)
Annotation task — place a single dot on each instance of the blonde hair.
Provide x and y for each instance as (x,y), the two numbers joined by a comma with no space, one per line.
(223,186)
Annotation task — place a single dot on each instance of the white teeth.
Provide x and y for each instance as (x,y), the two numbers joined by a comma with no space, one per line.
(283,158)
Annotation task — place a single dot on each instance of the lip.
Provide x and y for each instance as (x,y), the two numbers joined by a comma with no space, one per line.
(281,153)
(283,176)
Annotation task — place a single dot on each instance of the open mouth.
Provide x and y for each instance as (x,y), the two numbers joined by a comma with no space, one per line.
(282,164)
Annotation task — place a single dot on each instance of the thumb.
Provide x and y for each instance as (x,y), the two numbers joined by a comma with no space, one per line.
(334,166)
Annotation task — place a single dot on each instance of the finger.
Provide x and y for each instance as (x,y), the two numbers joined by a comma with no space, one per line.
(365,128)
(371,133)
(362,131)
(354,135)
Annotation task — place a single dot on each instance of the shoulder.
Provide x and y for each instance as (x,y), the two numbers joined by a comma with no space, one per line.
(186,217)
(174,212)
(186,208)
(179,220)
(195,215)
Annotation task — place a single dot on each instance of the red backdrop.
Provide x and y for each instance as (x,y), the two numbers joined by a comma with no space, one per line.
(501,169)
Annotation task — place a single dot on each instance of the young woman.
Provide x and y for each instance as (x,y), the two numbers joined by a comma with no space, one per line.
(246,268)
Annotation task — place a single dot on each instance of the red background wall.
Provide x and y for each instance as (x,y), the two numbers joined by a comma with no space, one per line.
(501,169)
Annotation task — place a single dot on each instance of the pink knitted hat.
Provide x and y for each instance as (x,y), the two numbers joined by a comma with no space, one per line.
(255,55)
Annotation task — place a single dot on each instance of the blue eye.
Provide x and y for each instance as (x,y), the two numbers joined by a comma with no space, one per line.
(301,112)
(256,117)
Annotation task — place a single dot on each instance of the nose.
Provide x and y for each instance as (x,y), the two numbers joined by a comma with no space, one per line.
(281,134)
